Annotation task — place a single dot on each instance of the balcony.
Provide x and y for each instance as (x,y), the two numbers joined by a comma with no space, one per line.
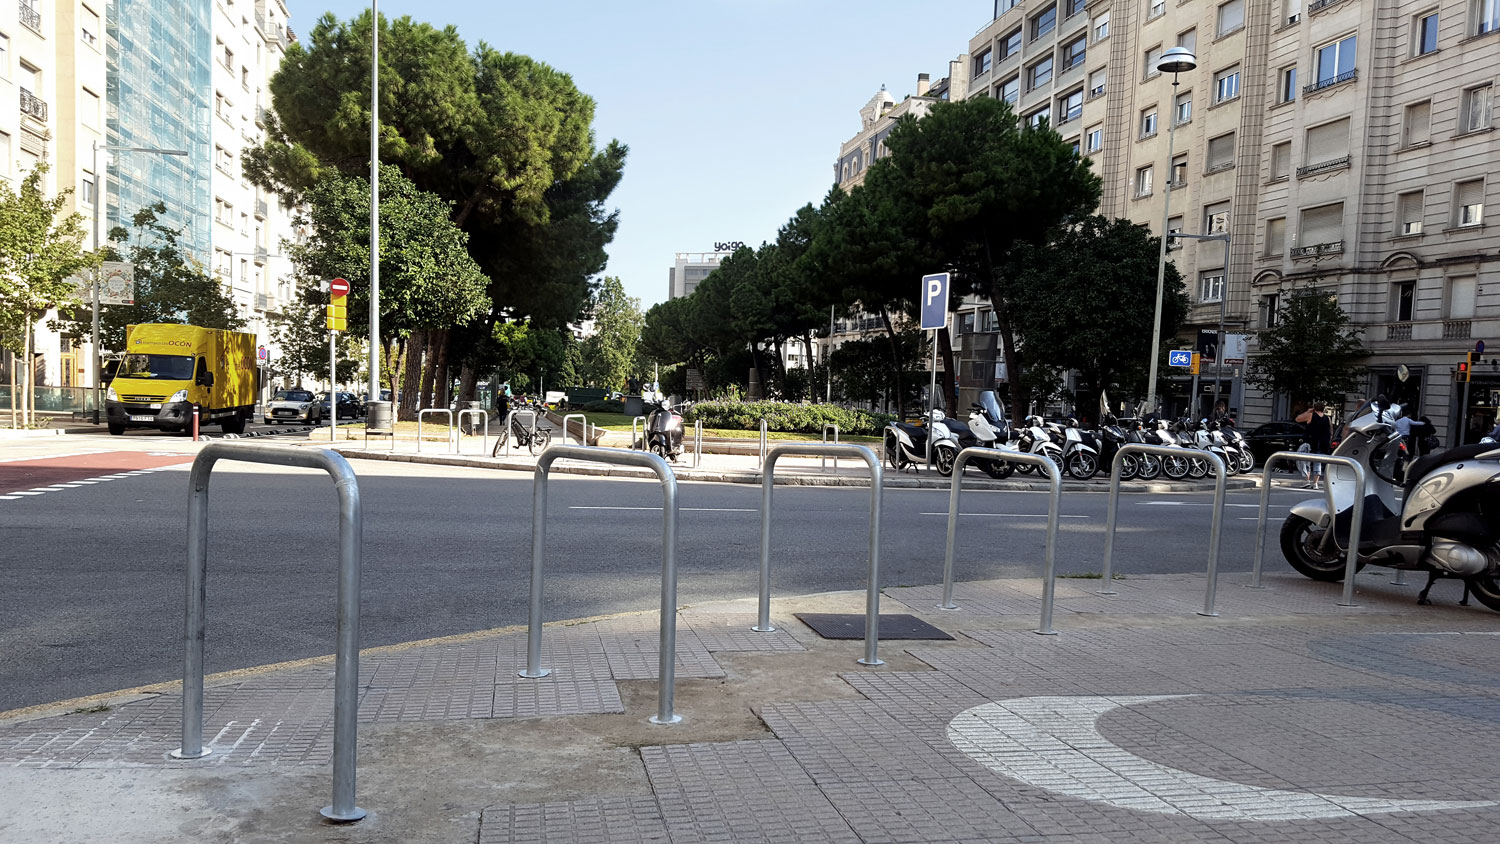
(261,207)
(265,302)
(260,116)
(1323,84)
(33,106)
(261,254)
(1398,331)
(1457,329)
(1317,249)
(30,17)
(1323,167)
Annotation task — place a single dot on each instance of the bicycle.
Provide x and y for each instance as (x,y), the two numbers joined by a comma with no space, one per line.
(523,435)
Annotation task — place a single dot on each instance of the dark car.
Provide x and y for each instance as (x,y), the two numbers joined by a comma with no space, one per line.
(1273,437)
(349,406)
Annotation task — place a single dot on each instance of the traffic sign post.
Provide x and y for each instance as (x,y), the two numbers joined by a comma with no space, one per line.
(934,317)
(337,320)
(1179,357)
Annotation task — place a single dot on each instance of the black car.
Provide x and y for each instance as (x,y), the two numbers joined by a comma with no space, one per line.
(349,406)
(1273,437)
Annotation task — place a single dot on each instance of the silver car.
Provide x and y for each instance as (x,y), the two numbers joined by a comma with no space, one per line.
(293,406)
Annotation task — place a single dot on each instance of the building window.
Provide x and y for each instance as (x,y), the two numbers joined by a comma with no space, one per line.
(1416,123)
(1074,7)
(1153,58)
(1322,226)
(1148,122)
(1461,297)
(1183,112)
(1070,107)
(4,56)
(1174,226)
(1093,138)
(1211,286)
(1179,170)
(1036,118)
(1424,33)
(1188,40)
(1287,90)
(88,27)
(1486,16)
(1143,181)
(1221,152)
(1275,237)
(1216,218)
(89,110)
(1281,160)
(1231,16)
(1468,203)
(1011,44)
(228,59)
(223,212)
(1101,27)
(1074,52)
(1409,213)
(1156,8)
(1476,108)
(1003,6)
(1403,300)
(1097,80)
(224,160)
(982,63)
(1270,304)
(1010,90)
(1043,23)
(1039,74)
(86,189)
(4,155)
(1326,143)
(1227,84)
(1335,62)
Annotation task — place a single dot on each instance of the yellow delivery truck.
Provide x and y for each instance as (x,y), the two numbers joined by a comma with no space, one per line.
(167,370)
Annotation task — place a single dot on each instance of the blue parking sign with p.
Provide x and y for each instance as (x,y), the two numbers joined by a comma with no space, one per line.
(935,301)
(1179,357)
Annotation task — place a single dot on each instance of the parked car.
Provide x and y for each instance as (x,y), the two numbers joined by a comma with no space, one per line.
(1273,437)
(350,406)
(292,406)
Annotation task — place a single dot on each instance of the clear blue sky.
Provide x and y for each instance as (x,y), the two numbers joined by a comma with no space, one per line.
(733,111)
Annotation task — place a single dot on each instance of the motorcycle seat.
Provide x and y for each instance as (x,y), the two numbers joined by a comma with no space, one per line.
(1423,466)
(959,429)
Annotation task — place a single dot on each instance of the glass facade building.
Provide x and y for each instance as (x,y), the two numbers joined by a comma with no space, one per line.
(160,84)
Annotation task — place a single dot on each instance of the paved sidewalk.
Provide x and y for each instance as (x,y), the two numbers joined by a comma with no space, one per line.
(1285,719)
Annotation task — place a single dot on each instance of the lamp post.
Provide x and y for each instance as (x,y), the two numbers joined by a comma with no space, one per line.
(1223,297)
(99,244)
(1174,61)
(375,202)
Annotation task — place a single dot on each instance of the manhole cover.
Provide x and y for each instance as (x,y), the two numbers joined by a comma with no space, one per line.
(852,626)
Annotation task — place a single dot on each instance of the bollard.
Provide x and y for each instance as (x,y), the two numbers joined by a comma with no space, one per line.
(1351,564)
(697,443)
(762,443)
(872,586)
(835,442)
(1214,533)
(484,442)
(426,410)
(346,666)
(195,423)
(1049,567)
(633,435)
(667,647)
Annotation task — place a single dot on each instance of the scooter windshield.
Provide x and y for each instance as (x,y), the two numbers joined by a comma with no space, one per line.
(991,406)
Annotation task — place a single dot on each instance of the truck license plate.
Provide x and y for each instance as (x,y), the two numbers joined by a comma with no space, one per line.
(142,418)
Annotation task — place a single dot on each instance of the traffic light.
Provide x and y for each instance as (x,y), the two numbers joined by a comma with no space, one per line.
(1197,363)
(337,314)
(1466,367)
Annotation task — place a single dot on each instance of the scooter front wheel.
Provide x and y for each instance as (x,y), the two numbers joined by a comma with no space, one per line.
(1130,466)
(1083,465)
(1175,466)
(1149,467)
(998,469)
(944,457)
(1300,539)
(1197,468)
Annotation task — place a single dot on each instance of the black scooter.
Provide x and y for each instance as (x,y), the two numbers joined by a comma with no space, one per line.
(664,429)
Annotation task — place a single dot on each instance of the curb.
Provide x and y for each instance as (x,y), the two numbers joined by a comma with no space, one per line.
(685,474)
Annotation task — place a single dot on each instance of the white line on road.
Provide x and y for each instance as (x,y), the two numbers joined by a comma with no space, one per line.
(1191,504)
(1009,515)
(685,509)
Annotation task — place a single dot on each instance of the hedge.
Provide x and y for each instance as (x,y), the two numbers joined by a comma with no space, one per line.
(786,417)
(604,407)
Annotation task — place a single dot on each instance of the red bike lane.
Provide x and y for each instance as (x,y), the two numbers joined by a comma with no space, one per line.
(49,474)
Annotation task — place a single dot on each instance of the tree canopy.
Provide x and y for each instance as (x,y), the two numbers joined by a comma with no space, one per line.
(1312,352)
(609,354)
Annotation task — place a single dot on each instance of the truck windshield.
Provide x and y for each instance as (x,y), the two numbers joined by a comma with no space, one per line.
(161,367)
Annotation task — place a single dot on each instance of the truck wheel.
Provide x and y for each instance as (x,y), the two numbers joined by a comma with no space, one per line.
(116,428)
(233,425)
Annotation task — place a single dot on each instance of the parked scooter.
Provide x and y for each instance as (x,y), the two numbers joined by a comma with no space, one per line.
(1237,440)
(906,444)
(1080,458)
(664,429)
(1447,522)
(1034,438)
(1111,438)
(987,428)
(1158,432)
(1148,466)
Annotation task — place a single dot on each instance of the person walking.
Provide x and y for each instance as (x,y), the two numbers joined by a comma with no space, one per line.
(1318,436)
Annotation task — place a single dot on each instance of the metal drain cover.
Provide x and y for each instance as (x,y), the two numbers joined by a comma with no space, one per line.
(852,626)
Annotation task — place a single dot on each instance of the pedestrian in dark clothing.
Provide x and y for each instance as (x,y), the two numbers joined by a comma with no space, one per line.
(1319,437)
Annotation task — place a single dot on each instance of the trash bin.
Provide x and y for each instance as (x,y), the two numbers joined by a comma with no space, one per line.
(378,416)
(470,420)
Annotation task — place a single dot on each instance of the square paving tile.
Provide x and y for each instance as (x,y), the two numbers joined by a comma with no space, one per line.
(604,820)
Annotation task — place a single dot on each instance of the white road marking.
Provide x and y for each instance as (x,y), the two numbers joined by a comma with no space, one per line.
(28,492)
(684,509)
(1054,743)
(1191,504)
(9,497)
(1008,515)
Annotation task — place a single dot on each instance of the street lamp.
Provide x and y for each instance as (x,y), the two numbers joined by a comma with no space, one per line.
(1223,296)
(99,244)
(375,213)
(1174,61)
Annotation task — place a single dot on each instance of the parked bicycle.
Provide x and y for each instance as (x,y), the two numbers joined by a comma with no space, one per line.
(531,438)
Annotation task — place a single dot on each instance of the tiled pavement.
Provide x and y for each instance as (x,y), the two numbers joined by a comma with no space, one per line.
(1285,719)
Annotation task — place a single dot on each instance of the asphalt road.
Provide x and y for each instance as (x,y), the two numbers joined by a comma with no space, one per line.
(91,589)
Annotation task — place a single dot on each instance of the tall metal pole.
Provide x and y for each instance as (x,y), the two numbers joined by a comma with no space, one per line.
(828,395)
(98,276)
(333,395)
(1219,338)
(375,201)
(931,400)
(1161,260)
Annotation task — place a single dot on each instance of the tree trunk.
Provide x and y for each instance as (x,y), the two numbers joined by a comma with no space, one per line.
(948,378)
(412,379)
(890,333)
(445,385)
(1018,392)
(468,383)
(396,370)
(429,369)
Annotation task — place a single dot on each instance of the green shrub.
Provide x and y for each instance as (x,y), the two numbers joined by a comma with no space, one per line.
(604,407)
(786,417)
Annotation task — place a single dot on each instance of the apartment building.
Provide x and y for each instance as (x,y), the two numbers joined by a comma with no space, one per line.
(1344,145)
(689,269)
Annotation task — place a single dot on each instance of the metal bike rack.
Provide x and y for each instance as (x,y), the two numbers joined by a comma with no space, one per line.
(872,587)
(1214,532)
(697,443)
(1352,561)
(667,650)
(583,423)
(633,440)
(510,440)
(762,443)
(458,438)
(346,670)
(835,442)
(1048,467)
(426,410)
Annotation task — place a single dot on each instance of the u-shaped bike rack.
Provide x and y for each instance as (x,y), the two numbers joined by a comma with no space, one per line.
(872,587)
(1214,532)
(667,651)
(346,667)
(583,425)
(641,422)
(459,422)
(508,424)
(1048,467)
(1351,564)
(426,410)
